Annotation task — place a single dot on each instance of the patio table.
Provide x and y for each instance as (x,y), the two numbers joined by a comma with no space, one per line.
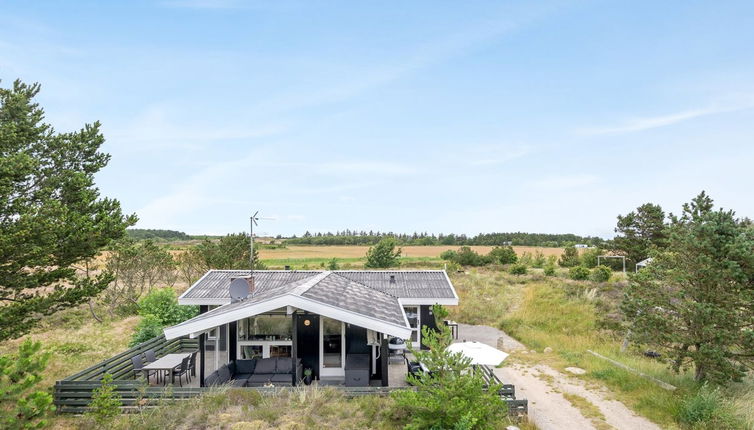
(167,362)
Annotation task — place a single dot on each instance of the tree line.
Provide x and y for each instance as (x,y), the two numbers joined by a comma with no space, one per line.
(354,237)
(157,234)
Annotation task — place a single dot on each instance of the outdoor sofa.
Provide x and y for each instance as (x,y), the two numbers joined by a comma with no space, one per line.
(256,372)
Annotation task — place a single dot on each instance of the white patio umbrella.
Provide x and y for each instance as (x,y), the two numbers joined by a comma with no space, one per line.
(479,353)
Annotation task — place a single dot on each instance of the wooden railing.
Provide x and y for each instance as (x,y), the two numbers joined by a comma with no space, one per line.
(74,393)
(516,407)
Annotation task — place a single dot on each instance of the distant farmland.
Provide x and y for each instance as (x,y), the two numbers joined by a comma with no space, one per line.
(337,251)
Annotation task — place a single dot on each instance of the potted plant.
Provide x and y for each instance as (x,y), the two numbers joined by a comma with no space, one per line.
(307,376)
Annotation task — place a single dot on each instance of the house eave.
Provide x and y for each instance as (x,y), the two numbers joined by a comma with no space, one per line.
(299,302)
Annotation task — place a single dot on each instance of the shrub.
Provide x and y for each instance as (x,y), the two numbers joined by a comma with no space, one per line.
(550,270)
(149,327)
(23,407)
(468,257)
(539,260)
(333,264)
(383,254)
(105,403)
(502,255)
(578,273)
(708,409)
(601,274)
(570,257)
(518,269)
(163,304)
(589,257)
(449,255)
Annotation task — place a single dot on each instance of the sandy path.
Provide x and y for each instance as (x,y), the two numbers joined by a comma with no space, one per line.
(544,386)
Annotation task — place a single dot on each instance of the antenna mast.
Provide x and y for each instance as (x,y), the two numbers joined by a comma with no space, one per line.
(253,222)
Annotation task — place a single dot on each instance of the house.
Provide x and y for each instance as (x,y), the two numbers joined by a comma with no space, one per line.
(324,320)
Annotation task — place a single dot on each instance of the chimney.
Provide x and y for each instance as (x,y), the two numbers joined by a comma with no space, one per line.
(392,279)
(287,267)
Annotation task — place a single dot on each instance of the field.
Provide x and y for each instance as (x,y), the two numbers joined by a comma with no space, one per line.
(352,257)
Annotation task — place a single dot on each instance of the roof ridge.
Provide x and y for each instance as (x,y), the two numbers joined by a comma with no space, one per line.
(310,282)
(365,285)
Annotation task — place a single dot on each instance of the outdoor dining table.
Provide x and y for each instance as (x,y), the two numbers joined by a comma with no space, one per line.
(167,362)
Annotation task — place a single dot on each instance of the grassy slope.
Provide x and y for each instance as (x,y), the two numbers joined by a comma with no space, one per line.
(539,312)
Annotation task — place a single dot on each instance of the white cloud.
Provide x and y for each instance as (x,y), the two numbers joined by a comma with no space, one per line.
(647,123)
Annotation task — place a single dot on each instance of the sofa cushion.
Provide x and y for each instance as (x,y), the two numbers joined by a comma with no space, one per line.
(260,377)
(245,366)
(282,378)
(238,382)
(265,365)
(283,365)
(242,375)
(212,379)
(224,374)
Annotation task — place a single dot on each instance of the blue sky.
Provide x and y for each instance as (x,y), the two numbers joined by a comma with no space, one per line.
(406,116)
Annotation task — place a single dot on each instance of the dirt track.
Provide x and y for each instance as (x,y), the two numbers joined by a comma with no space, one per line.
(544,386)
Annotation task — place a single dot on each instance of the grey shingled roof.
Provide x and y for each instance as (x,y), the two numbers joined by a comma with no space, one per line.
(215,284)
(408,284)
(344,293)
(326,288)
(431,284)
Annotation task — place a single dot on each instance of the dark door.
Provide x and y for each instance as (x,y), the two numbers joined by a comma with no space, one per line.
(307,341)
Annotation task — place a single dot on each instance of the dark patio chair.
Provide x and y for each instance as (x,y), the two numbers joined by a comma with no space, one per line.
(192,363)
(151,357)
(414,368)
(138,365)
(182,369)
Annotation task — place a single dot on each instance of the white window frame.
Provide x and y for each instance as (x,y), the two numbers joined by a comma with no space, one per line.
(418,330)
(332,371)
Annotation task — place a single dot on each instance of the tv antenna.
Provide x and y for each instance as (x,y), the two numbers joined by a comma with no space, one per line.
(252,222)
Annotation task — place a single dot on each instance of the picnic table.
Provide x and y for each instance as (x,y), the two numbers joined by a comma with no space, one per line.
(167,362)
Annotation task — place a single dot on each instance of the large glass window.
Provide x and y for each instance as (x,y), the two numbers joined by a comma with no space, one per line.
(332,343)
(266,327)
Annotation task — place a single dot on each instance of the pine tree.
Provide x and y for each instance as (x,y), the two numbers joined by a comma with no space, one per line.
(51,214)
(695,301)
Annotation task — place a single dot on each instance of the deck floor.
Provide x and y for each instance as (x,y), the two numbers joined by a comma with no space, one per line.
(396,378)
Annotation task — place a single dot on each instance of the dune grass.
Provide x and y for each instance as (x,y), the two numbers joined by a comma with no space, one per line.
(565,316)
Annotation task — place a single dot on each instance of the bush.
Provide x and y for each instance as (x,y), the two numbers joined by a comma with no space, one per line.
(502,255)
(539,260)
(333,264)
(468,257)
(163,304)
(383,254)
(518,269)
(579,273)
(570,257)
(449,255)
(21,406)
(589,257)
(708,409)
(149,327)
(601,274)
(550,270)
(105,403)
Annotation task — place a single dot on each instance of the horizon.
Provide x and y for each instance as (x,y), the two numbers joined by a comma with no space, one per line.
(429,117)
